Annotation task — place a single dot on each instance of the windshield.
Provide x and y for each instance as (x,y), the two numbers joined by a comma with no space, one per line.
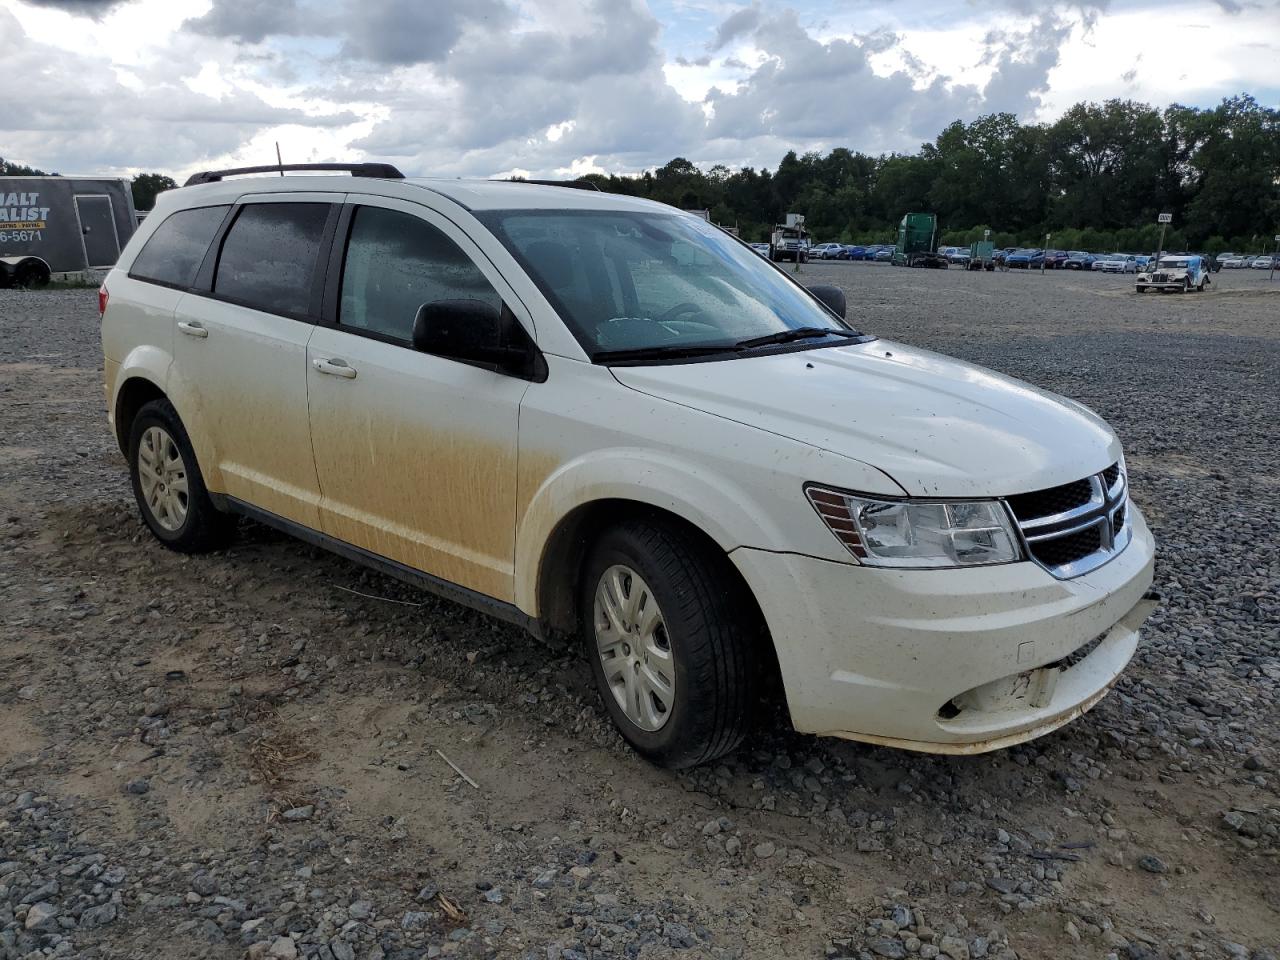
(628,281)
(1175,262)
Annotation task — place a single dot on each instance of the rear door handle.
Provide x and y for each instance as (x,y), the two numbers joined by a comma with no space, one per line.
(334,367)
(193,328)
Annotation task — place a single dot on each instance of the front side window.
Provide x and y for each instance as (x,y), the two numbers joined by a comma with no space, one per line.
(647,283)
(397,262)
(268,259)
(173,254)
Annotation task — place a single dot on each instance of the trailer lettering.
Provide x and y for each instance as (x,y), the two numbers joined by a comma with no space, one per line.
(19,211)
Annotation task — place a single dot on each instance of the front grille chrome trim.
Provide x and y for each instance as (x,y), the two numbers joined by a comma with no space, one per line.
(1107,511)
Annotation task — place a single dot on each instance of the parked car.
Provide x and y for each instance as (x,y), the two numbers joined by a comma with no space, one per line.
(1117,263)
(762,249)
(1079,260)
(1261,263)
(1232,262)
(827,251)
(936,557)
(1021,259)
(855,253)
(884,255)
(1224,256)
(958,255)
(1179,273)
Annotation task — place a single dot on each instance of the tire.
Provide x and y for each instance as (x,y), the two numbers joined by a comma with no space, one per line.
(183,520)
(1142,289)
(704,641)
(1186,285)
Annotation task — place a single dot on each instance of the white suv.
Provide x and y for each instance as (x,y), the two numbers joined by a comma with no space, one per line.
(585,412)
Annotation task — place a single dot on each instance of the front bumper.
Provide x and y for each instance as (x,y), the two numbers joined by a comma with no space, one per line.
(948,661)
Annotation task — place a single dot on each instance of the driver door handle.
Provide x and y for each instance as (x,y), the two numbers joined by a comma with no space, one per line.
(193,328)
(334,367)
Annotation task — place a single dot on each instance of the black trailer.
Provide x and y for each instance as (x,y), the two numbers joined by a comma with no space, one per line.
(71,223)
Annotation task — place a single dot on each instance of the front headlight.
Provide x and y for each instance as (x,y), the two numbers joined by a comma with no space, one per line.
(918,533)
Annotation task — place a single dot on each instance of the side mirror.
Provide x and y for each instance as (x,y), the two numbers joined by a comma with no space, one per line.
(477,332)
(459,329)
(832,298)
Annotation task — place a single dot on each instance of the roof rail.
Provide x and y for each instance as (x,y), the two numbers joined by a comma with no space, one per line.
(381,170)
(580,184)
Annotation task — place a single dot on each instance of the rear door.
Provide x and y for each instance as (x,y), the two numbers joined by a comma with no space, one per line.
(416,454)
(98,230)
(241,349)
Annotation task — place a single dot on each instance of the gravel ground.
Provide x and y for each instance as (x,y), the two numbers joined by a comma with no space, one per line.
(240,755)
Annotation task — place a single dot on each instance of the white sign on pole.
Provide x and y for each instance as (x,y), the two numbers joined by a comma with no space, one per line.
(1165,218)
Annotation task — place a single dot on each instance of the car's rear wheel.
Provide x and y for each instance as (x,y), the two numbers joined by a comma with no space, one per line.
(670,637)
(168,485)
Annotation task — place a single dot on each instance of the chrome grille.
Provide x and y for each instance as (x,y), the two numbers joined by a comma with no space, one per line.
(1078,526)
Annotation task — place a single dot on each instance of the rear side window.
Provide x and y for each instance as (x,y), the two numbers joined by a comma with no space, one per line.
(175,251)
(395,263)
(268,259)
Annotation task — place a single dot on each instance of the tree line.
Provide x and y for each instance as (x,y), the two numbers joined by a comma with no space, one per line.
(145,186)
(1096,179)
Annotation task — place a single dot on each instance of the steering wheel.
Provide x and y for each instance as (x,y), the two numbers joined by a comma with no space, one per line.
(679,310)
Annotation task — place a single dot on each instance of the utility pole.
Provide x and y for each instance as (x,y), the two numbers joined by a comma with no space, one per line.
(1044,254)
(1274,257)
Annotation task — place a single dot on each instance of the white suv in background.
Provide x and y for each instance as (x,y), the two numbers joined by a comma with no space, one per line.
(592,413)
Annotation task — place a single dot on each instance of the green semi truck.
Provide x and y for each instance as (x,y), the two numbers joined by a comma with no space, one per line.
(918,242)
(981,256)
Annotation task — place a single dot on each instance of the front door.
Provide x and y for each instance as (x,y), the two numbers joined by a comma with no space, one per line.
(416,454)
(242,355)
(98,230)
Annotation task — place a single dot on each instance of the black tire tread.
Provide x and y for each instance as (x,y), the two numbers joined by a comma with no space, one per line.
(717,645)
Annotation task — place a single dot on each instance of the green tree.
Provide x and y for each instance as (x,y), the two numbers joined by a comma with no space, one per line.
(147,186)
(10,169)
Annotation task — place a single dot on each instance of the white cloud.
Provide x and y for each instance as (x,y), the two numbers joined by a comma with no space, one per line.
(563,87)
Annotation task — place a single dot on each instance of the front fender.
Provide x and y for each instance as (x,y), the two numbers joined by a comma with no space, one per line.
(732,513)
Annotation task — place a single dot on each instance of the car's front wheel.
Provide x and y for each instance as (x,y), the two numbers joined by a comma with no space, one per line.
(670,638)
(168,485)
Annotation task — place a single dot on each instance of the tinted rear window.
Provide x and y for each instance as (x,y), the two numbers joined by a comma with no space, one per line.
(269,258)
(175,251)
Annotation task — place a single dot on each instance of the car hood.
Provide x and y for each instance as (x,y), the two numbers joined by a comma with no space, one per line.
(937,426)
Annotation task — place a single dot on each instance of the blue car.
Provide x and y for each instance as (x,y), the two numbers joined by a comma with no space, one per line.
(1021,259)
(1079,260)
(855,253)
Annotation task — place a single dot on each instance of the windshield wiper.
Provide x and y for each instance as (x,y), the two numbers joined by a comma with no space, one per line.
(798,333)
(668,352)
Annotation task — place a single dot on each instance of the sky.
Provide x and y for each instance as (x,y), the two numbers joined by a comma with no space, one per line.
(559,88)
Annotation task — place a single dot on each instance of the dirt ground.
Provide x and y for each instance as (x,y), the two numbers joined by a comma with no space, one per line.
(248,752)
